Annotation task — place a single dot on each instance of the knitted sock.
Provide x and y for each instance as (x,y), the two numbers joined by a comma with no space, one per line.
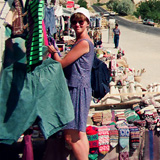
(124,153)
(134,137)
(92,134)
(131,115)
(113,136)
(107,117)
(97,119)
(136,107)
(123,134)
(139,123)
(103,139)
(150,123)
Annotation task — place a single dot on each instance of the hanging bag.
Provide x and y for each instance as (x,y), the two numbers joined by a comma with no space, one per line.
(100,77)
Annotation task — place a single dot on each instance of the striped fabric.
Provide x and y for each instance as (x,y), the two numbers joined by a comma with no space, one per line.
(34,39)
(152,146)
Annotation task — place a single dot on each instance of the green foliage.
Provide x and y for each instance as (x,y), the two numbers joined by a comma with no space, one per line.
(149,9)
(82,3)
(112,4)
(125,7)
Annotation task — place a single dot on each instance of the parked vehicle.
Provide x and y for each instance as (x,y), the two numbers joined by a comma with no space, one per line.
(148,22)
(106,14)
(112,13)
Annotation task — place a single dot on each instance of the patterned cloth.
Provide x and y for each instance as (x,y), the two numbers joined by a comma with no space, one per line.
(17,22)
(134,136)
(131,115)
(97,119)
(103,139)
(123,133)
(113,136)
(107,117)
(92,134)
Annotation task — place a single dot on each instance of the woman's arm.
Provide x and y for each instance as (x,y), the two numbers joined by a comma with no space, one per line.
(76,52)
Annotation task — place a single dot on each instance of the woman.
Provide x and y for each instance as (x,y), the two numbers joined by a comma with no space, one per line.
(77,66)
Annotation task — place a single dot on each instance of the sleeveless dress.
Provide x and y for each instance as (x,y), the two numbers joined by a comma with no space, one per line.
(78,75)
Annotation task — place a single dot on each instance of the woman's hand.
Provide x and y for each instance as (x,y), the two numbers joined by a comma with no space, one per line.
(51,49)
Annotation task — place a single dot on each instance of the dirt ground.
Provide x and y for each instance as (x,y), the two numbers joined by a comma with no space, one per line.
(142,51)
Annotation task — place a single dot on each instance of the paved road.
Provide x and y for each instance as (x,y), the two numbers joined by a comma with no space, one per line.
(142,51)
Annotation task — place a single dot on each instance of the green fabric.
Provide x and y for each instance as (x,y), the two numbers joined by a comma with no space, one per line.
(93,156)
(92,137)
(131,115)
(42,93)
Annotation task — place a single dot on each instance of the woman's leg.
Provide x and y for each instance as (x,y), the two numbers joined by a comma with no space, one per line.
(79,143)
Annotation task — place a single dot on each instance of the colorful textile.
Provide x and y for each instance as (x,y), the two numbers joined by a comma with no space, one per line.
(139,123)
(34,40)
(124,156)
(134,137)
(97,118)
(131,115)
(44,34)
(92,134)
(107,117)
(150,123)
(103,139)
(123,133)
(51,41)
(28,148)
(136,107)
(113,136)
(124,153)
(120,116)
(17,20)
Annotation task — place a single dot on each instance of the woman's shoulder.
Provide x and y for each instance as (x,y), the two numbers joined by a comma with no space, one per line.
(85,40)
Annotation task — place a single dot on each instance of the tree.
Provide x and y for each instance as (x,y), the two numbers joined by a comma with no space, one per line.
(111,4)
(149,9)
(82,3)
(125,7)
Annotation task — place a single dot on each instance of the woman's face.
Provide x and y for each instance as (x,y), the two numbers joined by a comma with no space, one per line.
(79,23)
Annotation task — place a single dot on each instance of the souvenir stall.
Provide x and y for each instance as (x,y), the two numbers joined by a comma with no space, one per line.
(125,123)
(32,85)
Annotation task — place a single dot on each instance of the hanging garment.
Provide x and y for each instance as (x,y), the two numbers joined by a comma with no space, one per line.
(17,21)
(28,148)
(3,14)
(49,20)
(34,40)
(15,50)
(41,94)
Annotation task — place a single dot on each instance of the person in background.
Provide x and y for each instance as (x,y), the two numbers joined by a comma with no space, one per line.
(77,65)
(116,33)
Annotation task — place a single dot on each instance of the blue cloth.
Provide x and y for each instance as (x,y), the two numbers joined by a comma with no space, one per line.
(49,20)
(78,76)
(116,40)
